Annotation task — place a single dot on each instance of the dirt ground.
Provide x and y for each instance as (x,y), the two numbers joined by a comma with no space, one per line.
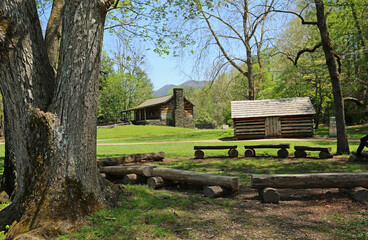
(300,214)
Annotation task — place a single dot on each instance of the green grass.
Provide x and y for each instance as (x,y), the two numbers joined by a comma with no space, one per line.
(174,150)
(135,134)
(144,215)
(355,132)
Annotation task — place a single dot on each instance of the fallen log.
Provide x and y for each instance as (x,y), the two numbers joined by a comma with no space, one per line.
(197,178)
(133,178)
(363,156)
(312,180)
(215,191)
(359,194)
(156,156)
(145,171)
(159,182)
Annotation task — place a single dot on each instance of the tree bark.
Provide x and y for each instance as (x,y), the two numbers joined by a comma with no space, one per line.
(53,122)
(342,140)
(53,31)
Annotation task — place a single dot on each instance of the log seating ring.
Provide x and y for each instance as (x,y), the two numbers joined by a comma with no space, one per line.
(282,152)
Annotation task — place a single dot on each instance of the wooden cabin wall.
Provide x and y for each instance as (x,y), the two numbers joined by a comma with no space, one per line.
(268,127)
(297,126)
(249,128)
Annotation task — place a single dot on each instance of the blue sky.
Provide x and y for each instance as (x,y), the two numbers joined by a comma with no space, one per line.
(161,70)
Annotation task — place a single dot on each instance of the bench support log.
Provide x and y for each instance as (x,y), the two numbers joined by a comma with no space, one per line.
(159,182)
(363,157)
(300,154)
(199,154)
(282,153)
(359,194)
(250,153)
(233,153)
(133,179)
(215,191)
(269,195)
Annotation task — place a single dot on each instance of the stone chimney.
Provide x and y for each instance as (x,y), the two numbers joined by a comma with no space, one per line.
(179,113)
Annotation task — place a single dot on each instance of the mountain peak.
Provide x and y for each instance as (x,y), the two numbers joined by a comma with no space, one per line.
(191,83)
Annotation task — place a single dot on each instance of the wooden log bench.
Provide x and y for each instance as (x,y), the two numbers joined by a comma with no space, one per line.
(363,156)
(324,152)
(353,183)
(232,152)
(282,152)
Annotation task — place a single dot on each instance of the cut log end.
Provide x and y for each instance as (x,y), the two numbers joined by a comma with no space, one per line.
(359,194)
(300,154)
(269,195)
(159,182)
(133,179)
(199,154)
(325,155)
(250,153)
(233,153)
(282,153)
(215,191)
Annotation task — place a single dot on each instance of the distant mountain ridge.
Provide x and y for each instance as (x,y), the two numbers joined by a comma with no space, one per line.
(191,83)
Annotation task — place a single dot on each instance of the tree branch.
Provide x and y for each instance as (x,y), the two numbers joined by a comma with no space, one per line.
(306,50)
(298,15)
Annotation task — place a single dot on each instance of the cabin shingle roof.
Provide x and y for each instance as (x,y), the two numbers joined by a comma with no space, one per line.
(272,107)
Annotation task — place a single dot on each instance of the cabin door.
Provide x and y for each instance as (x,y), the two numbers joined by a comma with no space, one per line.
(272,127)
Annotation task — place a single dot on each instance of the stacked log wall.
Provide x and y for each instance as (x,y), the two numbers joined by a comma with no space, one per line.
(297,126)
(249,128)
(287,126)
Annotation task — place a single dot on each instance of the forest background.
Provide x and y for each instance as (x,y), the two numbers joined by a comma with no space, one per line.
(279,68)
(282,73)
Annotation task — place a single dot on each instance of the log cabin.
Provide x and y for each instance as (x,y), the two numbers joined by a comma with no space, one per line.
(172,110)
(272,118)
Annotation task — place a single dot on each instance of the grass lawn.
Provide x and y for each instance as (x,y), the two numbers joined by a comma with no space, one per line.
(183,213)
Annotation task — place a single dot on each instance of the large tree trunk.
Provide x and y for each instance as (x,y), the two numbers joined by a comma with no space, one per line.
(8,181)
(342,140)
(53,124)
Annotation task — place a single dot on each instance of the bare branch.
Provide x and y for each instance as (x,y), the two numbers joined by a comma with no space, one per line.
(298,15)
